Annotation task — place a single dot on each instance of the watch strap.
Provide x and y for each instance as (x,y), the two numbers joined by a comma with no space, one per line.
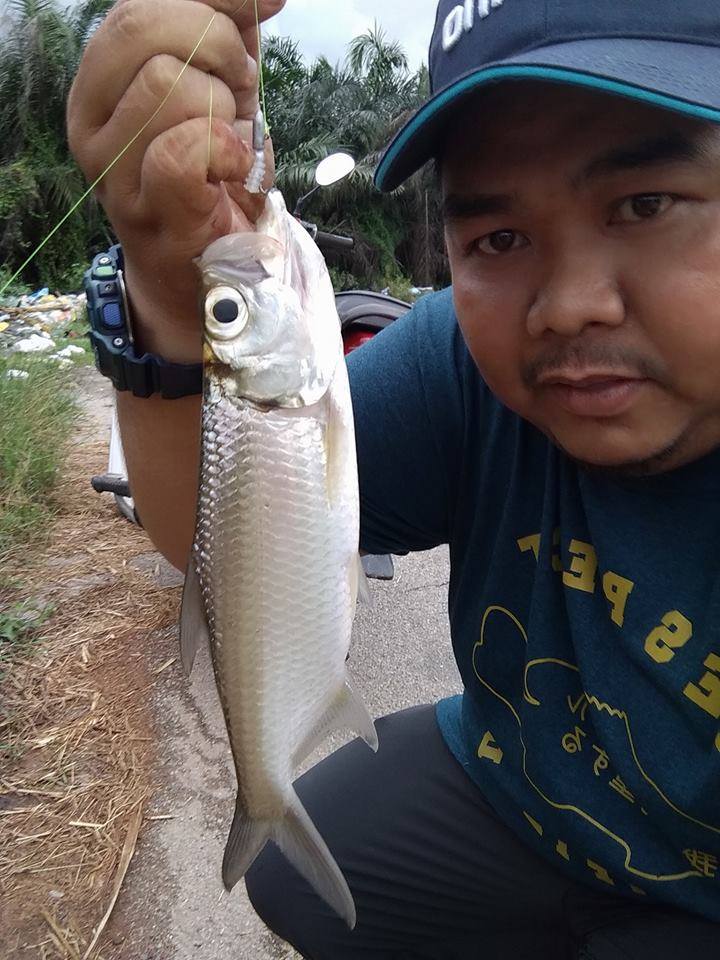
(148,374)
(110,335)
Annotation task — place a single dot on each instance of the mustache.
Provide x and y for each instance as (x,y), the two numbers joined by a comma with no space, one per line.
(582,356)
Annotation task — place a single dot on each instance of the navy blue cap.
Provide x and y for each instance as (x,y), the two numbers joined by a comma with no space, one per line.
(661,52)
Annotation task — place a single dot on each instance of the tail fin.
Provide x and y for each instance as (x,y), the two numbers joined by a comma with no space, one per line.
(246,840)
(299,840)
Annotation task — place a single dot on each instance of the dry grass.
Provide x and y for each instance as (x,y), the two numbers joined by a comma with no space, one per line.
(75,745)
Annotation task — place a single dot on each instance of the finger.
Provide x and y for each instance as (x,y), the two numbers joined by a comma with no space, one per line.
(131,130)
(246,19)
(244,12)
(182,186)
(137,30)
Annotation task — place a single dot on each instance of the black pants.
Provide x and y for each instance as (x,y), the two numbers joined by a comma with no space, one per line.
(435,874)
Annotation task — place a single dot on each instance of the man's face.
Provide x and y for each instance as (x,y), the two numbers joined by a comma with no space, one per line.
(584,240)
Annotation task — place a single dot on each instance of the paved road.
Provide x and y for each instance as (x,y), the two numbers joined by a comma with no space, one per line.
(174,907)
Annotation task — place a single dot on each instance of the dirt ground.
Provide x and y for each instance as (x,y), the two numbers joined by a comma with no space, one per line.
(76,733)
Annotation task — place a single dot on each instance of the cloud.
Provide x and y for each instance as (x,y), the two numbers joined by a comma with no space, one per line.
(327,26)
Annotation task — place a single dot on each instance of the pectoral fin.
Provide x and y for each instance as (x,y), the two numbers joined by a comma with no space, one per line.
(363,584)
(193,625)
(359,583)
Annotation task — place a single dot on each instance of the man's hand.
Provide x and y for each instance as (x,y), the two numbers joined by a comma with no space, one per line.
(179,186)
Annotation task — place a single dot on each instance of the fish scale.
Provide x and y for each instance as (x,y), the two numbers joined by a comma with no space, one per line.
(276,536)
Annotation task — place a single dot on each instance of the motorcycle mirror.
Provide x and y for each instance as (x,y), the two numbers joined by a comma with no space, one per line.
(334,168)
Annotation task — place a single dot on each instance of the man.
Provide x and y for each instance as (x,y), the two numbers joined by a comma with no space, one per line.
(555,418)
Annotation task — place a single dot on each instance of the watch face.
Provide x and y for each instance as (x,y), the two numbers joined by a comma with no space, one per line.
(126,305)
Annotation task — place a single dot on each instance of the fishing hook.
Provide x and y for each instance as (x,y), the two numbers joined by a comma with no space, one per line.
(253,184)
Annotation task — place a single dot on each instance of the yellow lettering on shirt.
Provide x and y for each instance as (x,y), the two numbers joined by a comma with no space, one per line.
(617,589)
(601,873)
(530,543)
(674,633)
(537,827)
(489,750)
(707,692)
(706,864)
(561,848)
(581,575)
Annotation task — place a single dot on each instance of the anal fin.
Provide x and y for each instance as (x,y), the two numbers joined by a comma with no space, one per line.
(346,712)
(364,594)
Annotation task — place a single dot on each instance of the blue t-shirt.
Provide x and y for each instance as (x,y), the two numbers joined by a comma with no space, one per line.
(584,610)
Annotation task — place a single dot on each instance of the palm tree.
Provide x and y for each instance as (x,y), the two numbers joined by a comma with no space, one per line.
(382,64)
(357,106)
(313,109)
(39,181)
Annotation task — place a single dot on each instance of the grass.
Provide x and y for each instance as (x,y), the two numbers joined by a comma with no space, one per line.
(36,418)
(19,626)
(76,331)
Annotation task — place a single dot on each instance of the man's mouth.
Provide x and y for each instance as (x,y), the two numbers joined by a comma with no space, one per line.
(593,393)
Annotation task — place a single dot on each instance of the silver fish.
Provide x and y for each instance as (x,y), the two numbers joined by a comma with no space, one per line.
(275,571)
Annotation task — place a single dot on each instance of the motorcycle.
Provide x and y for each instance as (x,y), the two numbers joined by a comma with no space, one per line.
(363,314)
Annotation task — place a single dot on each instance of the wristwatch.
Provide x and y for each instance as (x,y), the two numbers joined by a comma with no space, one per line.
(112,339)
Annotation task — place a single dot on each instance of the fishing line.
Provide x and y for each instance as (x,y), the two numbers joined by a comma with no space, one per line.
(256,176)
(261,78)
(130,143)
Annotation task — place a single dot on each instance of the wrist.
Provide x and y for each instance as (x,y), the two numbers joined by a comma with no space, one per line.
(164,321)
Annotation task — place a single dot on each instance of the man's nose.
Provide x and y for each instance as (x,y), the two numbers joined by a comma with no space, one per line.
(578,290)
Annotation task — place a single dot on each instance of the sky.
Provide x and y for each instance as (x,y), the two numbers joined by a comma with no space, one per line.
(326,26)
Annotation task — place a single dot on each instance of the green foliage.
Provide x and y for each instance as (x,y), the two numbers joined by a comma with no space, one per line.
(313,109)
(19,628)
(39,181)
(343,279)
(399,286)
(13,290)
(36,422)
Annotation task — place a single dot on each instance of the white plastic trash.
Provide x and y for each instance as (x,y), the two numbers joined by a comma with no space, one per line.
(16,374)
(69,351)
(33,344)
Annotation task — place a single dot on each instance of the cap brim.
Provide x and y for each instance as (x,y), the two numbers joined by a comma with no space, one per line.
(682,77)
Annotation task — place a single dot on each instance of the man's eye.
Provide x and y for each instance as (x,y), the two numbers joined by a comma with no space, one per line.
(643,206)
(501,241)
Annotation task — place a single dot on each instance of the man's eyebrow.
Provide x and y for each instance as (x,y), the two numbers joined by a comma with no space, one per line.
(461,206)
(652,152)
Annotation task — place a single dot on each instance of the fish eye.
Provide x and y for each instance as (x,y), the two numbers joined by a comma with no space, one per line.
(226,313)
